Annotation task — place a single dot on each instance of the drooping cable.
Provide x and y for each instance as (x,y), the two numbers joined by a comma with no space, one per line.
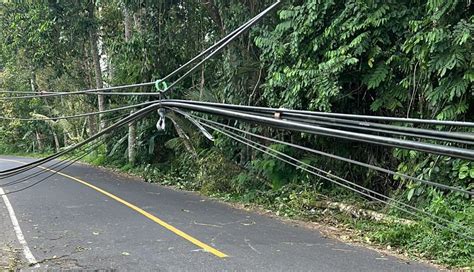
(132,117)
(332,156)
(336,115)
(330,132)
(88,91)
(57,165)
(69,156)
(52,173)
(226,127)
(298,163)
(18,170)
(458,138)
(40,171)
(78,115)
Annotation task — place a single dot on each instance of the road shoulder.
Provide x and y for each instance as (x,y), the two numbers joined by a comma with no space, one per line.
(10,250)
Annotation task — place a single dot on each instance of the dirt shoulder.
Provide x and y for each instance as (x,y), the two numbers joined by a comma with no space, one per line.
(10,251)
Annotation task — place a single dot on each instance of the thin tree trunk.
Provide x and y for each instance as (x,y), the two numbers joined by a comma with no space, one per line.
(40,141)
(84,129)
(132,142)
(34,86)
(91,120)
(96,62)
(56,140)
(127,23)
(132,127)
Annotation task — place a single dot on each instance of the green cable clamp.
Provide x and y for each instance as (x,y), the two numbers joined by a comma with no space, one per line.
(161,85)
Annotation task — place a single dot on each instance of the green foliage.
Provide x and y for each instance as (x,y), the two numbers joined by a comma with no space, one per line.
(216,173)
(426,240)
(397,52)
(278,172)
(98,157)
(398,58)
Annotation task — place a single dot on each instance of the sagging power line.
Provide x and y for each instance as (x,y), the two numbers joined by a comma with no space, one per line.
(333,179)
(334,125)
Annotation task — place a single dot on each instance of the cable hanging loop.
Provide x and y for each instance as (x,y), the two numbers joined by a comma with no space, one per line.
(161,124)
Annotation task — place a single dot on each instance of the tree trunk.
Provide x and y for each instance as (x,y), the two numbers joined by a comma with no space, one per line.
(86,66)
(96,62)
(132,129)
(65,135)
(127,23)
(92,120)
(132,142)
(33,85)
(40,141)
(56,140)
(83,132)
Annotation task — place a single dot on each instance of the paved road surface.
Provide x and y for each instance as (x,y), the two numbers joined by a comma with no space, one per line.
(94,219)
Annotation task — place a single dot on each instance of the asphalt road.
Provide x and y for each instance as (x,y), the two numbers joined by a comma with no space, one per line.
(94,219)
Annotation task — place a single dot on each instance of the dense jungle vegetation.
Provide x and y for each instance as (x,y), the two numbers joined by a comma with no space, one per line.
(388,58)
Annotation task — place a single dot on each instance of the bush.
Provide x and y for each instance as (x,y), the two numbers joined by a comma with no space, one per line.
(216,174)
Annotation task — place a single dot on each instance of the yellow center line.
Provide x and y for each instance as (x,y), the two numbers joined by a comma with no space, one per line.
(140,211)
